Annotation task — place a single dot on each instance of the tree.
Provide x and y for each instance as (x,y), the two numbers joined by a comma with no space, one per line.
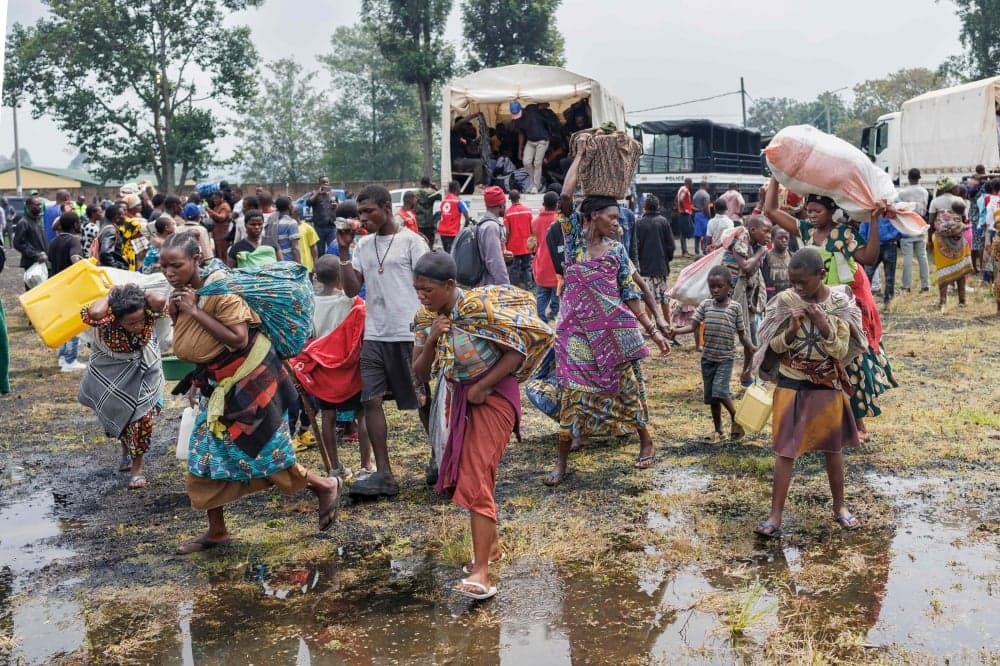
(373,131)
(127,80)
(507,32)
(409,33)
(770,114)
(980,21)
(875,97)
(281,134)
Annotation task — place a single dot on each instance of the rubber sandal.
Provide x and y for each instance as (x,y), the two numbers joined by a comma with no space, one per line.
(736,434)
(467,567)
(714,438)
(137,482)
(125,464)
(203,545)
(848,522)
(768,530)
(645,462)
(487,592)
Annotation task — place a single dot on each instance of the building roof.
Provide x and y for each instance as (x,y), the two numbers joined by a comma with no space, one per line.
(80,175)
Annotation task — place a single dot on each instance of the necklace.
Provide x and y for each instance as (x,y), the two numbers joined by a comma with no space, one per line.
(381,261)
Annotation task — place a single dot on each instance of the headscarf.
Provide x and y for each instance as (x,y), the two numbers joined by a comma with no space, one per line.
(592,204)
(825,202)
(946,183)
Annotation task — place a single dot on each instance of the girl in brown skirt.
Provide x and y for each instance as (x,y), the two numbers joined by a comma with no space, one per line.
(809,333)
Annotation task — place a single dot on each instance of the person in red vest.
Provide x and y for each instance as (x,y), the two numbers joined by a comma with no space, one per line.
(453,209)
(407,215)
(543,269)
(517,222)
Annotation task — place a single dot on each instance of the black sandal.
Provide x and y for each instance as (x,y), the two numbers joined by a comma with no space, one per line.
(768,530)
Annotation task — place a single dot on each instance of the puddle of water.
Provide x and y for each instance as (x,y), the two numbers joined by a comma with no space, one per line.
(44,619)
(941,595)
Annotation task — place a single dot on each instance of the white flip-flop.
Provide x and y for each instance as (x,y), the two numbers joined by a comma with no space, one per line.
(487,592)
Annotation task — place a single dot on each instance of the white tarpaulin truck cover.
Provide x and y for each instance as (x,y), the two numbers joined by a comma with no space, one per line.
(490,91)
(951,130)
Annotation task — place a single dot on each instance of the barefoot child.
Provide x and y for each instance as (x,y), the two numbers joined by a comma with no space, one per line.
(809,333)
(329,368)
(723,320)
(124,381)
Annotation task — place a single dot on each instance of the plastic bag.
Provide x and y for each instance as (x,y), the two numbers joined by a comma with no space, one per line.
(36,274)
(691,287)
(808,161)
(184,432)
(438,425)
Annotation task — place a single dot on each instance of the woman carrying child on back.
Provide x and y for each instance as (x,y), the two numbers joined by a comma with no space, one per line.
(723,319)
(238,445)
(809,333)
(123,383)
(482,342)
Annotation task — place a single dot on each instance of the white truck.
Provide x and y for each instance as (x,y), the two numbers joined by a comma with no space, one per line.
(944,132)
(486,95)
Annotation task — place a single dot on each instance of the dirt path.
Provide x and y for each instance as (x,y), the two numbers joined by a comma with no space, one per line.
(615,566)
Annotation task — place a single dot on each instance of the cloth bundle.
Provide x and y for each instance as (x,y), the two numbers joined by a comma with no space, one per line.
(281,295)
(808,161)
(610,158)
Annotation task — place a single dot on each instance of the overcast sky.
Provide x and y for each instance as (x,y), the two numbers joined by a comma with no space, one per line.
(648,52)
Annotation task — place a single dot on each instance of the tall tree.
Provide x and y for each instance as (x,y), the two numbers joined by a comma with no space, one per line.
(410,34)
(874,97)
(281,133)
(507,32)
(770,114)
(128,80)
(980,21)
(374,133)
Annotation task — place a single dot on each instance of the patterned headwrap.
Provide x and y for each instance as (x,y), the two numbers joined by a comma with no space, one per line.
(825,202)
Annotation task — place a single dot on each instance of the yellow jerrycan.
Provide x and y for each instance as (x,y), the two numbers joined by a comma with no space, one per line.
(53,307)
(754,409)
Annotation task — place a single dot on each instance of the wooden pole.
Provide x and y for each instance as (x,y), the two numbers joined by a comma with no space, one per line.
(311,413)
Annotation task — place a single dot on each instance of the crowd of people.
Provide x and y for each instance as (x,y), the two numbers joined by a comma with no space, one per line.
(567,300)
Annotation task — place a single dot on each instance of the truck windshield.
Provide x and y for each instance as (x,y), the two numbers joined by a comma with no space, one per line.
(881,137)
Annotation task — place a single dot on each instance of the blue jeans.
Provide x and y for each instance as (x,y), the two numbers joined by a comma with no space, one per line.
(546,299)
(69,349)
(327,235)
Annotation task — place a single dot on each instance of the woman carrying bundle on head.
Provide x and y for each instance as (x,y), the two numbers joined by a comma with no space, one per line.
(238,445)
(809,332)
(598,339)
(482,342)
(870,374)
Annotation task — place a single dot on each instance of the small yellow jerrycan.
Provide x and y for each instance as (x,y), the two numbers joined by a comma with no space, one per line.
(53,307)
(755,408)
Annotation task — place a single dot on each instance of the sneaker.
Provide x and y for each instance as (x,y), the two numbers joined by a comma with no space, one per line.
(365,472)
(373,487)
(75,366)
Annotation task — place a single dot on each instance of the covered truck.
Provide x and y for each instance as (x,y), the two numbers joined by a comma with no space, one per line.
(945,132)
(483,98)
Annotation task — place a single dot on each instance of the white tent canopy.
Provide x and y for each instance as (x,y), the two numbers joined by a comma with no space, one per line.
(490,92)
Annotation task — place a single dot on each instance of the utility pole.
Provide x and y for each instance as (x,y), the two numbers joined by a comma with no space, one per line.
(826,112)
(743,101)
(17,154)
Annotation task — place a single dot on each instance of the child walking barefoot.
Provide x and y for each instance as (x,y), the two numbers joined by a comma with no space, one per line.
(723,321)
(809,332)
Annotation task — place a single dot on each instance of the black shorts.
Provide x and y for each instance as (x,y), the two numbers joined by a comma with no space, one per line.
(717,377)
(386,373)
(351,404)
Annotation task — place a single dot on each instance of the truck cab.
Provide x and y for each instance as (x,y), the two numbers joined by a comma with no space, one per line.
(881,143)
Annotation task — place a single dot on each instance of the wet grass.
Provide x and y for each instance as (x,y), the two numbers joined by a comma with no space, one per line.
(604,523)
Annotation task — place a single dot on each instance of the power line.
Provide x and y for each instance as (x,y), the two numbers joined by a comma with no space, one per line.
(690,101)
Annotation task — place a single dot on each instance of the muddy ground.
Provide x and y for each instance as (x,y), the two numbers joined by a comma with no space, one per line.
(615,566)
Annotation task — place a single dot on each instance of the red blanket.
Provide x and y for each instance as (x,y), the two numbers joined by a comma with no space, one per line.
(329,368)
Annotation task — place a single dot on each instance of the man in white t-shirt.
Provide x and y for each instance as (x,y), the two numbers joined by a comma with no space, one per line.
(915,245)
(383,261)
(718,225)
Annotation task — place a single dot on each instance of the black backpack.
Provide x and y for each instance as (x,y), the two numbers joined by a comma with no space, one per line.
(465,252)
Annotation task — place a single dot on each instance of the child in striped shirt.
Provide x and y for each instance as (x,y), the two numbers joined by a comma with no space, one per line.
(723,319)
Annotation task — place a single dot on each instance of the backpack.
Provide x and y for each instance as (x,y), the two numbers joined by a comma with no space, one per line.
(468,261)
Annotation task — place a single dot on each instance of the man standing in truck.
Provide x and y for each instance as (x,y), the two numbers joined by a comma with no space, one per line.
(533,141)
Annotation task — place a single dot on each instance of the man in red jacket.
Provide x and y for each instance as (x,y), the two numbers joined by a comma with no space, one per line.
(453,209)
(546,280)
(517,221)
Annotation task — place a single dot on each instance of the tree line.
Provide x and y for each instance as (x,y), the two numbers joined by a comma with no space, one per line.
(149,86)
(979,27)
